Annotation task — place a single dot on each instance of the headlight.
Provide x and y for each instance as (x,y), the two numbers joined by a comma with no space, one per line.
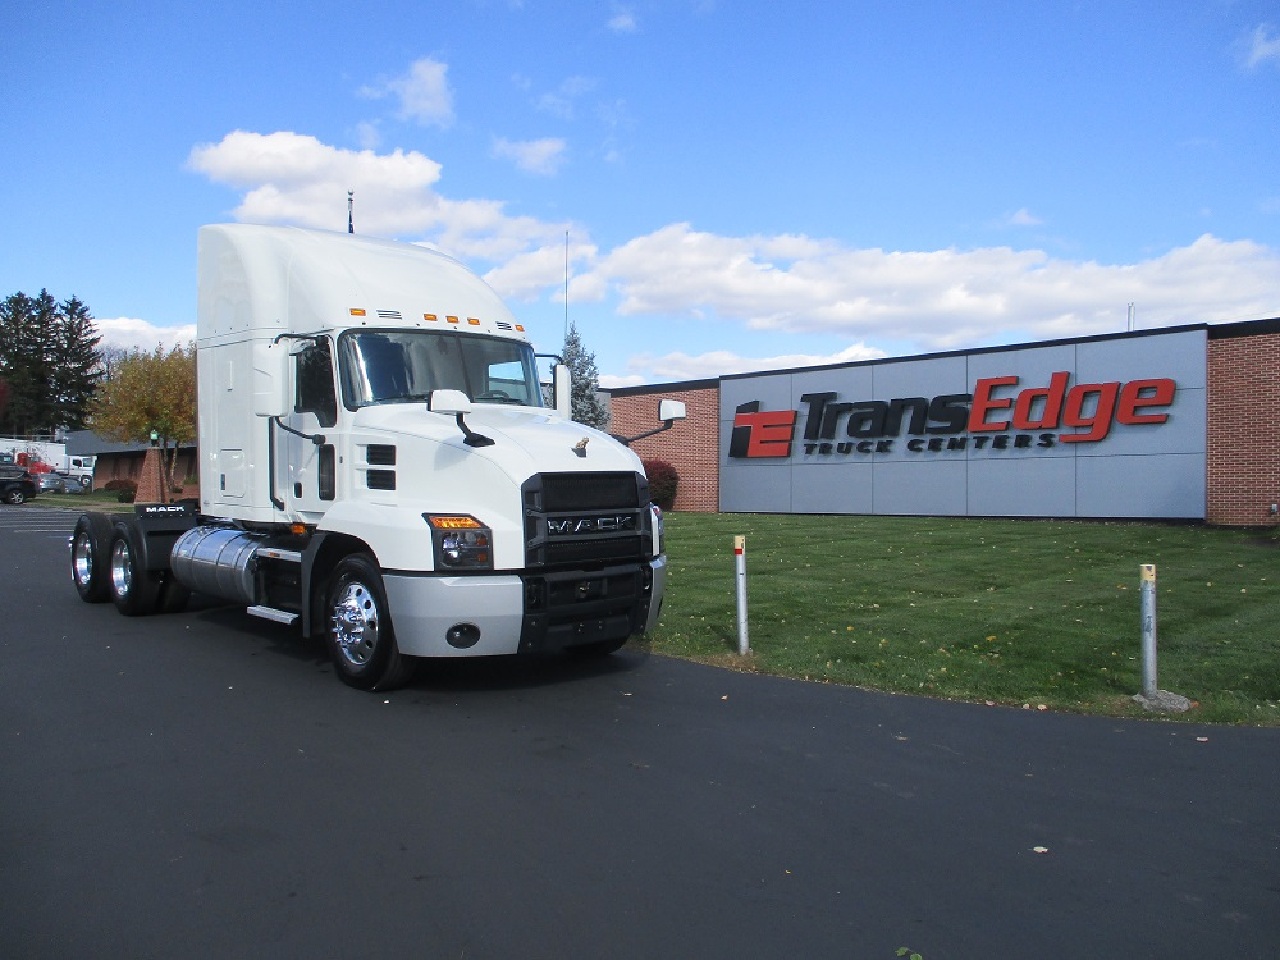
(460,542)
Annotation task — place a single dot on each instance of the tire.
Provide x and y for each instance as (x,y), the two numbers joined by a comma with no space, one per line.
(134,590)
(15,495)
(358,632)
(90,557)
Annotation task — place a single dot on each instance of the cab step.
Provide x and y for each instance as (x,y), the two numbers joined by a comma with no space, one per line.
(271,613)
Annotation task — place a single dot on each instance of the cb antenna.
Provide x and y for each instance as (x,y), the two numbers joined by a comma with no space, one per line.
(351,228)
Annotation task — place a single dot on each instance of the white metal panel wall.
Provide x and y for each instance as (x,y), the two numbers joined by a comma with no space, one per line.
(1137,470)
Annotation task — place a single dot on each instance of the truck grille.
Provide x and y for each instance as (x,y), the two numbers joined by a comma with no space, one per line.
(577,519)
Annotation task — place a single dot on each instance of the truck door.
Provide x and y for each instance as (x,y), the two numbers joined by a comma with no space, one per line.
(308,468)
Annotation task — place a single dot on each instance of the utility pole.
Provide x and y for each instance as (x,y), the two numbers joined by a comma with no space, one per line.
(351,227)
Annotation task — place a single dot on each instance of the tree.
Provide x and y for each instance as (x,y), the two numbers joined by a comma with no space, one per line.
(48,356)
(110,359)
(146,392)
(586,406)
(74,364)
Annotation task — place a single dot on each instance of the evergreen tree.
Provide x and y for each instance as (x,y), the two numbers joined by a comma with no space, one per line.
(586,406)
(48,356)
(74,364)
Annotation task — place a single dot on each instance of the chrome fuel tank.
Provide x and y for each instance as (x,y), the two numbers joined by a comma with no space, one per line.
(218,561)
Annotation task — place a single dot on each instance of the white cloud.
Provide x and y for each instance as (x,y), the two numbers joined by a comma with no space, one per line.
(942,299)
(917,300)
(129,333)
(542,157)
(293,178)
(682,366)
(561,102)
(368,135)
(1023,218)
(423,93)
(528,275)
(623,21)
(1262,46)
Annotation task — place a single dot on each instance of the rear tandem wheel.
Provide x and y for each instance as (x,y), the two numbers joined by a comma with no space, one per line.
(90,557)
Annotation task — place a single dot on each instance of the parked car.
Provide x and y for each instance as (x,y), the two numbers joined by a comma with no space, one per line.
(17,486)
(58,483)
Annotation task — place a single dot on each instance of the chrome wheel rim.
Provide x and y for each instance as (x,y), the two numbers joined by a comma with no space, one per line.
(82,558)
(354,621)
(121,569)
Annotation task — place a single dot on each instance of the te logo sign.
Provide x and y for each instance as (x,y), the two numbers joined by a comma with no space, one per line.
(757,434)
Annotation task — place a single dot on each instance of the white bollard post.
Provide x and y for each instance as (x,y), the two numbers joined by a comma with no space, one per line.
(1148,573)
(740,563)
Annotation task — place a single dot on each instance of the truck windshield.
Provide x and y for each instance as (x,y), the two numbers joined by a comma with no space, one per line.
(395,366)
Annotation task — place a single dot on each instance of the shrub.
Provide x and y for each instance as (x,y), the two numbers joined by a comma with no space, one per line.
(663,481)
(126,490)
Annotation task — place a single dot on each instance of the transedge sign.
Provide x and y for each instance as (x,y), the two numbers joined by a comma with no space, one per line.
(996,415)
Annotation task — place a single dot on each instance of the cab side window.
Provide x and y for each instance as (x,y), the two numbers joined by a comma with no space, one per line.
(316,392)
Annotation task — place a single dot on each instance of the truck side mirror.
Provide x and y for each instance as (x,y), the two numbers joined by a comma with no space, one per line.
(449,401)
(271,380)
(669,410)
(562,387)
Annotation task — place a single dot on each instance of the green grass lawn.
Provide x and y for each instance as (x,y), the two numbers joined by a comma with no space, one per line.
(1008,611)
(104,501)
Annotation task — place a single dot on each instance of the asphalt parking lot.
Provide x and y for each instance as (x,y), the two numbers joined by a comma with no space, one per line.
(200,785)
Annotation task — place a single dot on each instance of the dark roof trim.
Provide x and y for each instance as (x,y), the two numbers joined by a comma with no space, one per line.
(1243,328)
(708,384)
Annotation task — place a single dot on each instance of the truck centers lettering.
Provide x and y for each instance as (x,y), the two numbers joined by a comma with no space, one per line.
(996,415)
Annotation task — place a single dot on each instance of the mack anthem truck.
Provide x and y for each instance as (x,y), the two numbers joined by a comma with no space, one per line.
(378,467)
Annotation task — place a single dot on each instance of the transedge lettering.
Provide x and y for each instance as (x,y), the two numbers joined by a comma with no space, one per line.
(1087,410)
(997,416)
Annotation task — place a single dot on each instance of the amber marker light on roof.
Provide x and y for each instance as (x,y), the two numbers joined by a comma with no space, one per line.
(520,327)
(357,311)
(430,316)
(472,321)
(451,319)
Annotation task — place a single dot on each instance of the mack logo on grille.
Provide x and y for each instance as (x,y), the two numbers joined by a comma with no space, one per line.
(609,523)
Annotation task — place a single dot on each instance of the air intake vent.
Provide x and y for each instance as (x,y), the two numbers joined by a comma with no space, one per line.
(380,455)
(381,479)
(389,315)
(589,491)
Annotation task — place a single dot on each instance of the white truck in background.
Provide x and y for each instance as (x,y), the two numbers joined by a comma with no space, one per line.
(47,456)
(79,468)
(378,467)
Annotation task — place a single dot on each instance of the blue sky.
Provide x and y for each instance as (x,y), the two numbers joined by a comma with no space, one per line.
(745,185)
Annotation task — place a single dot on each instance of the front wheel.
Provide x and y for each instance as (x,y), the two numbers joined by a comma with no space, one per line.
(15,495)
(361,641)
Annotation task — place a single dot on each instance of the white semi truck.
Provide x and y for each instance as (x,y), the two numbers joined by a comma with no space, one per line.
(46,456)
(378,467)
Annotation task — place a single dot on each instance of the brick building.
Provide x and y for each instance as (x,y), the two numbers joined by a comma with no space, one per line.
(1243,463)
(1177,423)
(690,445)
